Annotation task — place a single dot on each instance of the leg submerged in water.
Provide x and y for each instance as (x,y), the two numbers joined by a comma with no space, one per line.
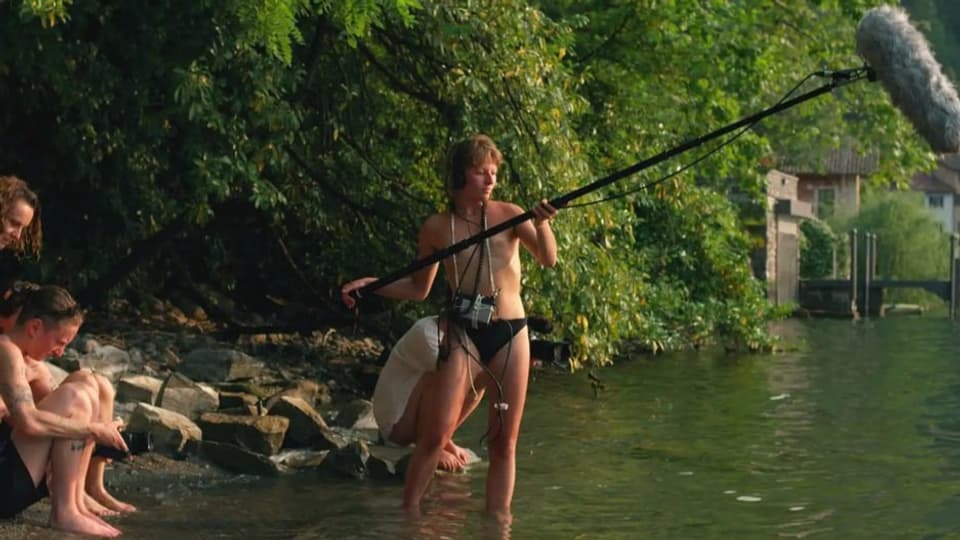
(512,364)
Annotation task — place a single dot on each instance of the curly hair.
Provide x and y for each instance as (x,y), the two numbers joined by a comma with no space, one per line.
(12,190)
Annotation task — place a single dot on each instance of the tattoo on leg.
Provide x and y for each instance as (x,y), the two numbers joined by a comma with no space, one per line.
(77,446)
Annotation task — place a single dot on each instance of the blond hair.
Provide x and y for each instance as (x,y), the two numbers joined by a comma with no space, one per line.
(472,151)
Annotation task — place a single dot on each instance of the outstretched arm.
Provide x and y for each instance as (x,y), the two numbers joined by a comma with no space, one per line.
(537,236)
(417,285)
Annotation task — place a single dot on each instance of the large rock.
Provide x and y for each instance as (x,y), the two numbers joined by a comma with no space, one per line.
(358,414)
(239,460)
(180,394)
(314,393)
(246,410)
(209,364)
(350,461)
(230,400)
(307,428)
(300,458)
(382,470)
(106,360)
(171,431)
(260,434)
(138,388)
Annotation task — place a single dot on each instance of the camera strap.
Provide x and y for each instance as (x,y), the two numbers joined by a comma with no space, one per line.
(485,249)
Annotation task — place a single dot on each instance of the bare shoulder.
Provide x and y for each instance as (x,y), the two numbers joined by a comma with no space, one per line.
(436,221)
(9,352)
(501,211)
(506,209)
(12,365)
(435,229)
(38,371)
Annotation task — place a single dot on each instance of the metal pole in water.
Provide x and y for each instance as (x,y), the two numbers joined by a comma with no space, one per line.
(873,268)
(952,306)
(853,273)
(868,256)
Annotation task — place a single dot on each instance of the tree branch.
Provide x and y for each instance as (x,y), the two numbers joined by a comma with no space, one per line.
(394,82)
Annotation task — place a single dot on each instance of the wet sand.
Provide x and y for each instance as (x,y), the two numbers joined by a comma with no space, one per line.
(149,477)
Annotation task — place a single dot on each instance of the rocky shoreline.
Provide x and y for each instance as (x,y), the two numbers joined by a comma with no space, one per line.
(263,404)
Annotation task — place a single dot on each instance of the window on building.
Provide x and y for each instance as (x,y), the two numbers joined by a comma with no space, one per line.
(935,201)
(825,202)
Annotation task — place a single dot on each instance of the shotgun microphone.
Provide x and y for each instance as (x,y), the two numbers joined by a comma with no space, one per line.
(901,60)
(896,54)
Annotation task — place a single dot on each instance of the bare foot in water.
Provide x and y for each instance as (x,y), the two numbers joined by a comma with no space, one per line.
(81,524)
(462,453)
(107,500)
(93,507)
(450,462)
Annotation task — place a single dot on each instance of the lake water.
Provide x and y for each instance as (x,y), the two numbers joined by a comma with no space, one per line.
(855,434)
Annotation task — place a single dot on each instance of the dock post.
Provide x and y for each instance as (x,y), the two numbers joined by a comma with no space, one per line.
(853,273)
(953,275)
(867,260)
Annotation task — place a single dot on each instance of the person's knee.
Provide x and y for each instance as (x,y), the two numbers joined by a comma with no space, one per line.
(104,387)
(502,446)
(77,397)
(436,435)
(84,377)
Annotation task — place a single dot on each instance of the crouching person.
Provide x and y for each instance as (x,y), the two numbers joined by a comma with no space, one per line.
(97,498)
(56,435)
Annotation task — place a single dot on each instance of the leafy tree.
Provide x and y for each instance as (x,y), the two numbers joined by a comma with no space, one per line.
(819,248)
(268,151)
(911,244)
(940,21)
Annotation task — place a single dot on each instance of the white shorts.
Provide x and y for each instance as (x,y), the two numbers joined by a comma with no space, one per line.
(414,354)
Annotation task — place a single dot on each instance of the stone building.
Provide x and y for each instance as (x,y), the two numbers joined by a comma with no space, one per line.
(777,262)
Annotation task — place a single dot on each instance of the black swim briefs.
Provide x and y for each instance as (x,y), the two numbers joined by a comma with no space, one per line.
(17,491)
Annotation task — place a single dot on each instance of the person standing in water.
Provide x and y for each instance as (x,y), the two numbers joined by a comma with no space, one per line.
(486,343)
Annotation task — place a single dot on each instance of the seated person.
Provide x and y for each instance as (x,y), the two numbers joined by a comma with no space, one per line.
(56,434)
(406,377)
(96,498)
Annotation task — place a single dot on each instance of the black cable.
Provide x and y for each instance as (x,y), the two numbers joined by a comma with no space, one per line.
(451,324)
(499,383)
(707,154)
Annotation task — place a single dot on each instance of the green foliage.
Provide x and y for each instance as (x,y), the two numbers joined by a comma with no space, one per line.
(819,248)
(285,146)
(49,12)
(911,244)
(940,23)
(272,23)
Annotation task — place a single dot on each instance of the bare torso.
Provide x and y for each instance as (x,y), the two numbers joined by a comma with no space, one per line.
(504,257)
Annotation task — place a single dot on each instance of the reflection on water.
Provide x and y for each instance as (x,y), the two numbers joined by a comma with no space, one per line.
(854,435)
